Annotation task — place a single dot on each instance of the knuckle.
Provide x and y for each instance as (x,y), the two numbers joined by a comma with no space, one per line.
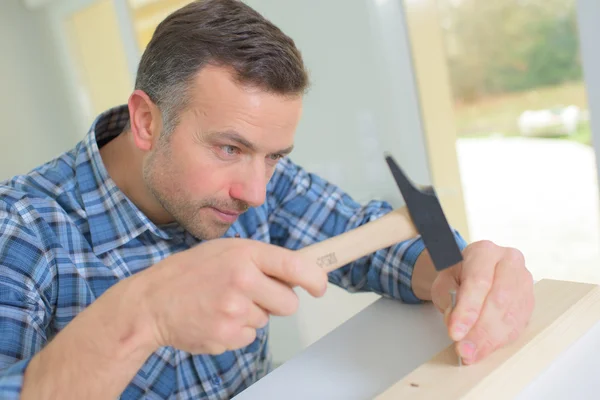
(484,350)
(485,245)
(475,250)
(244,279)
(242,249)
(481,332)
(224,331)
(470,316)
(501,297)
(514,325)
(482,283)
(515,257)
(234,306)
(484,339)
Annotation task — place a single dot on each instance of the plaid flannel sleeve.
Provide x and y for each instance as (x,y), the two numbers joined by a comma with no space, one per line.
(23,310)
(305,209)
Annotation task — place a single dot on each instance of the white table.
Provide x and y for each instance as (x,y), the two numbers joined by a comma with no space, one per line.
(385,341)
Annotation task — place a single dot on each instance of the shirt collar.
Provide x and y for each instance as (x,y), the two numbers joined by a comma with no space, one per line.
(113,219)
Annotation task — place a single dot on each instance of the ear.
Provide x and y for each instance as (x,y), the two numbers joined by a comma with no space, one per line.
(145,120)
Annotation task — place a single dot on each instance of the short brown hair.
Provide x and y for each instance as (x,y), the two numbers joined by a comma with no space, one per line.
(217,32)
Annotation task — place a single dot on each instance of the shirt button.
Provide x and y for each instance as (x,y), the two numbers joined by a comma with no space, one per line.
(215,380)
(237,235)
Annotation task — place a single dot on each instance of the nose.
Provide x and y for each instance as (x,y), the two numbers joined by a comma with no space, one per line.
(251,184)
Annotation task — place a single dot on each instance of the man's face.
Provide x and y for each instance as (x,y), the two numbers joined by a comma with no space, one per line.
(219,159)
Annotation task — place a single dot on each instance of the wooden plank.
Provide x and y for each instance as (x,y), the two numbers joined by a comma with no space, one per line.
(564,311)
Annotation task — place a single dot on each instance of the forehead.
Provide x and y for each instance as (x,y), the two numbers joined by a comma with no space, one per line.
(219,98)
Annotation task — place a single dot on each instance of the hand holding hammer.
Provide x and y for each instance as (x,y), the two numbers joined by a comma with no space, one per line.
(422,215)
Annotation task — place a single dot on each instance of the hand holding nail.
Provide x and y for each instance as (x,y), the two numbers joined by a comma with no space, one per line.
(493,295)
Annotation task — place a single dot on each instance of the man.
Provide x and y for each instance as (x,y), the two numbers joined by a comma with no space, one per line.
(145,262)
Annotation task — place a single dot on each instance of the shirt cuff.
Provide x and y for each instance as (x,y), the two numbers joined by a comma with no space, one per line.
(409,259)
(11,380)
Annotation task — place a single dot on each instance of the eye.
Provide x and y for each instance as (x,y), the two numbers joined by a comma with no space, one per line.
(275,157)
(230,150)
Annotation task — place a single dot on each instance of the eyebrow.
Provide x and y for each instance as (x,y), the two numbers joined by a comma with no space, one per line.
(242,141)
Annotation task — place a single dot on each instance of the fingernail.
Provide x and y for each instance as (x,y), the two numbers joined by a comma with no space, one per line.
(467,350)
(459,331)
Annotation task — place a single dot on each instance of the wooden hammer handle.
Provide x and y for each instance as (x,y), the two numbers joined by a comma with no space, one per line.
(340,250)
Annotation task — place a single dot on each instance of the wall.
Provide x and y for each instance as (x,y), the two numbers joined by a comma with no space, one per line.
(37,123)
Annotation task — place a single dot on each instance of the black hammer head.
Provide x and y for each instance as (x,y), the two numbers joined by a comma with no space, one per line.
(429,219)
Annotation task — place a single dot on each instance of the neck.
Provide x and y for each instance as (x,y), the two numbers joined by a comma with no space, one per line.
(123,162)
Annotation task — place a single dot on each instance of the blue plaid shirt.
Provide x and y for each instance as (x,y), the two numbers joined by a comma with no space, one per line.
(67,234)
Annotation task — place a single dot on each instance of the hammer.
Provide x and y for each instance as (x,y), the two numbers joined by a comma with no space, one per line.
(422,215)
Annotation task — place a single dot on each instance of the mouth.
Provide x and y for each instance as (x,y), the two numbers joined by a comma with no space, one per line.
(228,216)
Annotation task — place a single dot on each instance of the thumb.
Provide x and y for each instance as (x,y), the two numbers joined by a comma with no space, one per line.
(440,291)
(449,314)
(450,309)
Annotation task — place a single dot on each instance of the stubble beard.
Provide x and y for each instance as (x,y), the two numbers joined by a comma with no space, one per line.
(186,213)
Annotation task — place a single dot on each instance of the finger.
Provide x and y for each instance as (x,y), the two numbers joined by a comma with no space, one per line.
(477,276)
(443,298)
(501,318)
(291,268)
(274,296)
(260,292)
(257,317)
